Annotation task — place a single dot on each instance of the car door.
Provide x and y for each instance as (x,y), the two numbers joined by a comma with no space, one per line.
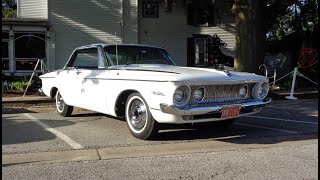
(69,81)
(82,65)
(92,80)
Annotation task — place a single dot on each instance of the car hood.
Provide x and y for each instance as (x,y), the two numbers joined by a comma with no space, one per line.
(178,73)
(169,73)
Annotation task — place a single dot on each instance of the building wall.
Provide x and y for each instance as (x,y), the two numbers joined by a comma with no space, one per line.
(171,30)
(78,23)
(32,9)
(130,21)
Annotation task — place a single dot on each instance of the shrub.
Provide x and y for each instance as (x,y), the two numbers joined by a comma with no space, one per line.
(6,87)
(21,84)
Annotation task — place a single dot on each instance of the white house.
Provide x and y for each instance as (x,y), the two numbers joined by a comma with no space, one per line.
(57,27)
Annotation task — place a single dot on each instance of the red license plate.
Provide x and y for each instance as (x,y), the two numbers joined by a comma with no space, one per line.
(230,111)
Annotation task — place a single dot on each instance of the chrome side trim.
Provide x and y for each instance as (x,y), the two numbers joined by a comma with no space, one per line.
(203,110)
(148,70)
(46,77)
(110,79)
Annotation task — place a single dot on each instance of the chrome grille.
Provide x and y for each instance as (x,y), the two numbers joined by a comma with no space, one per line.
(221,93)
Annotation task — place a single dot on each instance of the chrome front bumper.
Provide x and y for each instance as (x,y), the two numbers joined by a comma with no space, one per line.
(209,109)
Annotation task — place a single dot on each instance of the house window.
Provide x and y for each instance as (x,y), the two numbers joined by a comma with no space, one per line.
(150,9)
(201,13)
(201,54)
(29,47)
(198,51)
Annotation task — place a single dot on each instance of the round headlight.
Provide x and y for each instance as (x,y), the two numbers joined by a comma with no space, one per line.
(263,90)
(181,95)
(243,91)
(260,90)
(198,94)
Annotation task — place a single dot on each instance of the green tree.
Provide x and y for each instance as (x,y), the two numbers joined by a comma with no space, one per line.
(9,8)
(258,21)
(284,17)
(250,34)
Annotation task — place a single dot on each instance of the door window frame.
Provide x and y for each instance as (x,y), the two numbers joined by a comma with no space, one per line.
(101,59)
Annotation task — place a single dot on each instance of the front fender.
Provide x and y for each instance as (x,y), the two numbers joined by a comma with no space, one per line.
(154,93)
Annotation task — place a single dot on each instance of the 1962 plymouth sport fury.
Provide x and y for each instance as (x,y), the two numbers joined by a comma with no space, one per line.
(144,85)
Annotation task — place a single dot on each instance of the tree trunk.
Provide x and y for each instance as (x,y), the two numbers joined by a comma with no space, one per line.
(250,35)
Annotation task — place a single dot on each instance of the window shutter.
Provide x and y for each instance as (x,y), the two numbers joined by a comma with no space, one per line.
(211,15)
(190,52)
(190,14)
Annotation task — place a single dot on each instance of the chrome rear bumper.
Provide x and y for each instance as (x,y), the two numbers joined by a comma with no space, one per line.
(209,109)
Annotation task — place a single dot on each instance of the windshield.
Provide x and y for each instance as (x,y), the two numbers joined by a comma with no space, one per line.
(128,54)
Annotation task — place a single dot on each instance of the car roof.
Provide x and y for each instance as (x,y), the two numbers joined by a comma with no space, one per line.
(106,45)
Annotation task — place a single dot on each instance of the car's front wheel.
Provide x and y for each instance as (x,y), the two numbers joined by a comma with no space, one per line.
(139,119)
(62,108)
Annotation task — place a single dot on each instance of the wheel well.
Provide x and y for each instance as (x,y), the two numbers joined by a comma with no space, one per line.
(53,92)
(121,102)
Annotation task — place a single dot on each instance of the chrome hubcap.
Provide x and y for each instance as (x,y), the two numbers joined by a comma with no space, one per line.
(137,114)
(60,102)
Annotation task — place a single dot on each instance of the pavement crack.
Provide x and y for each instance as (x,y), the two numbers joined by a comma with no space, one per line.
(98,154)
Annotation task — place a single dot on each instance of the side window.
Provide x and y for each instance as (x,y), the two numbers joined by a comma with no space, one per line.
(87,58)
(201,13)
(208,13)
(150,9)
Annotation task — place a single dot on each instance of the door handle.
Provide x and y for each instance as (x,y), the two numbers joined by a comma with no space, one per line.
(78,72)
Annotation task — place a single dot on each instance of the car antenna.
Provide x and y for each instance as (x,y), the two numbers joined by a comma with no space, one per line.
(117,53)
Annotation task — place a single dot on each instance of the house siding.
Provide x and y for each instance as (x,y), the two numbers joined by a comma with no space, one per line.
(32,9)
(78,23)
(171,30)
(130,21)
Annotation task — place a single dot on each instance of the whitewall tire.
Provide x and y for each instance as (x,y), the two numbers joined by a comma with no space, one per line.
(62,108)
(139,119)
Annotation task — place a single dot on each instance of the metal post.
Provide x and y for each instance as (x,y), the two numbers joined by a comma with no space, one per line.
(35,68)
(291,97)
(41,65)
(274,77)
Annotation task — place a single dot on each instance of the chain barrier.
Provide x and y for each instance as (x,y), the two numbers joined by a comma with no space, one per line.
(299,73)
(308,57)
(295,72)
(282,77)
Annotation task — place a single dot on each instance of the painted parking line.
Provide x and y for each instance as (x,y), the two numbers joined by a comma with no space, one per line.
(279,119)
(263,127)
(59,134)
(281,107)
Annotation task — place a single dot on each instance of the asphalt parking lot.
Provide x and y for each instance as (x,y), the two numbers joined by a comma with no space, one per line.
(47,131)
(28,135)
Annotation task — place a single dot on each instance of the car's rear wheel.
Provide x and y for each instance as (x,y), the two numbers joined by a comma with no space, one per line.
(62,108)
(139,119)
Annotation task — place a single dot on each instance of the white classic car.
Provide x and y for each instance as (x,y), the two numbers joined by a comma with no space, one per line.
(144,85)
